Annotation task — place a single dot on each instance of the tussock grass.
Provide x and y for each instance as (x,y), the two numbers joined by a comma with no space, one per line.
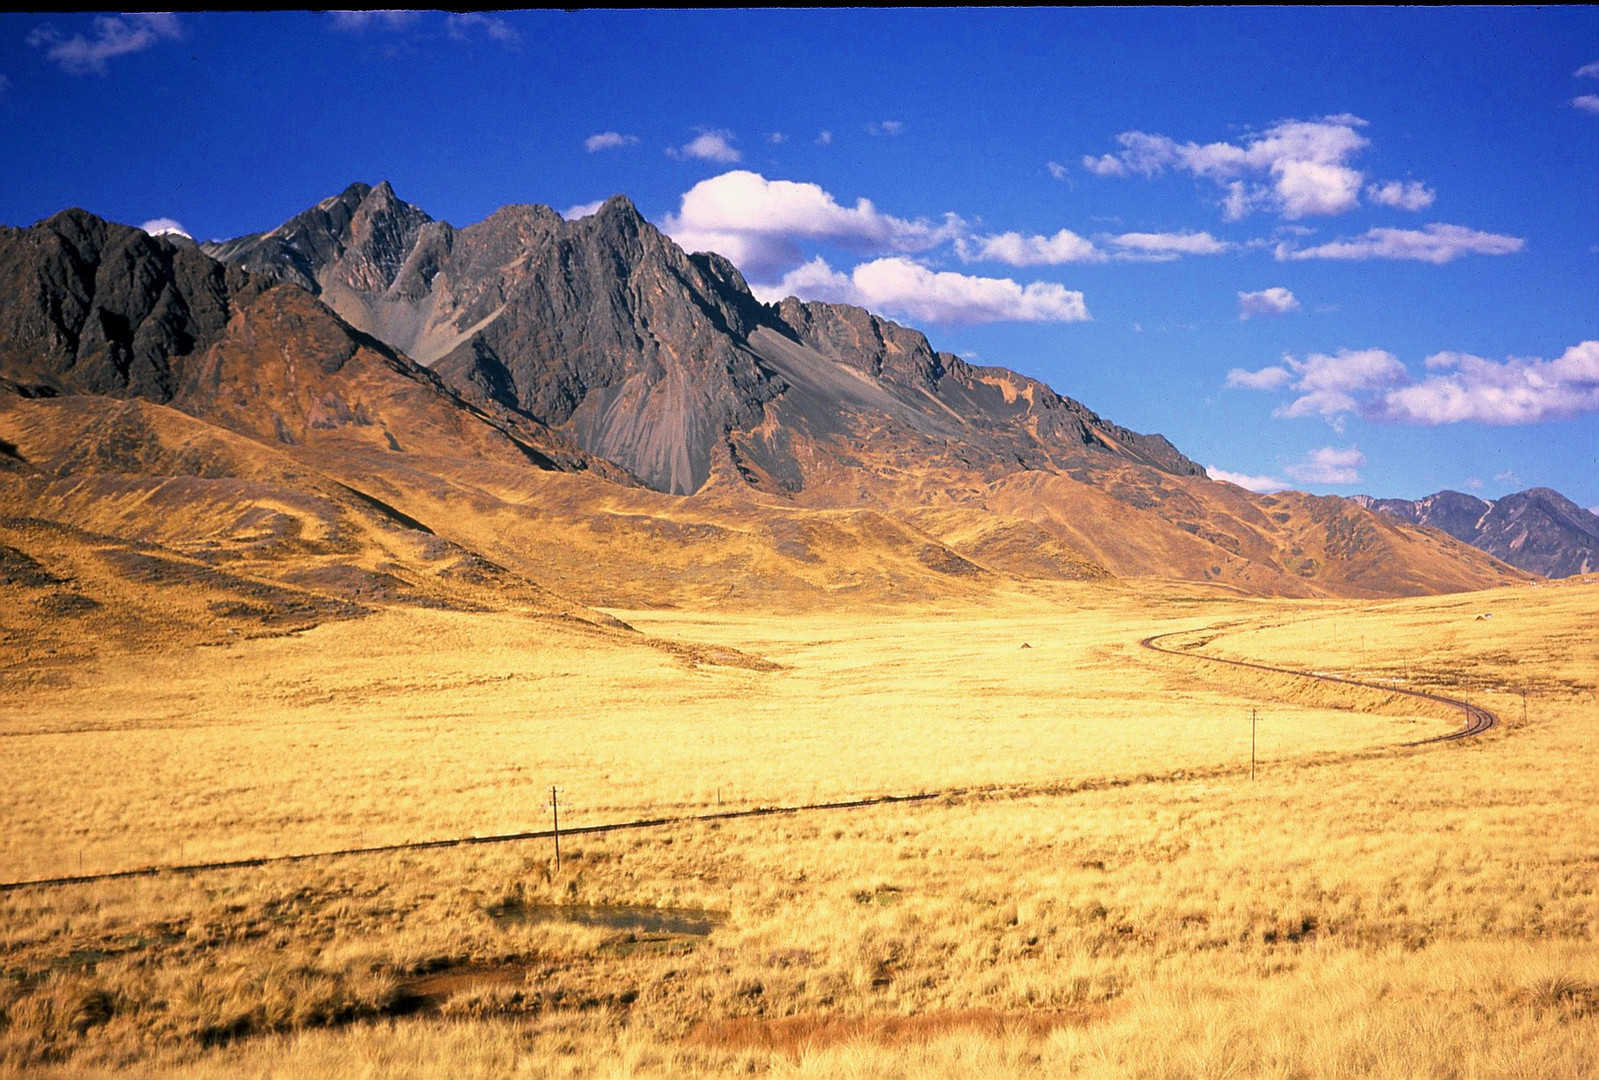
(1361,909)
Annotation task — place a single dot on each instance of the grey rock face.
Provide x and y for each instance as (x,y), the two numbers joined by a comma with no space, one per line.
(1018,417)
(1538,529)
(658,360)
(358,238)
(100,308)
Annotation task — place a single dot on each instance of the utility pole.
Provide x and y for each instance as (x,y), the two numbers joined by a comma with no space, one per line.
(555,810)
(1251,745)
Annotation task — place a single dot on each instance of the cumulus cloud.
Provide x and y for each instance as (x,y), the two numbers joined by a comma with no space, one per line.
(1518,391)
(1460,387)
(1297,168)
(382,19)
(714,146)
(1406,195)
(758,223)
(582,210)
(1273,301)
(1328,385)
(1328,465)
(1271,378)
(608,140)
(1014,249)
(1586,102)
(1436,244)
(1265,485)
(1587,71)
(1056,169)
(824,138)
(886,127)
(900,287)
(1166,246)
(165,226)
(777,138)
(468,25)
(112,36)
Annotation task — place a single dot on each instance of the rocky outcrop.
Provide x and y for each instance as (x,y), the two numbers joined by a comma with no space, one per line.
(94,307)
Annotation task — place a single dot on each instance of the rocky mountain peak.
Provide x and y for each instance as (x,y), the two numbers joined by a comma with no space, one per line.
(97,307)
(661,361)
(358,239)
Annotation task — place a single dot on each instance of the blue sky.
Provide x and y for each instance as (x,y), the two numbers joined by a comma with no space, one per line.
(1344,251)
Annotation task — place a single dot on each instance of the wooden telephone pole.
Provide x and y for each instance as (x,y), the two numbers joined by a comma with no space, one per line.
(1251,744)
(555,811)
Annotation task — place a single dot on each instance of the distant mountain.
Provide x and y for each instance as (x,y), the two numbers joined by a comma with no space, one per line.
(1539,530)
(601,416)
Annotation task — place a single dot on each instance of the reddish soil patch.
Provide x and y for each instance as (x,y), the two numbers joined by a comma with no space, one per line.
(792,1035)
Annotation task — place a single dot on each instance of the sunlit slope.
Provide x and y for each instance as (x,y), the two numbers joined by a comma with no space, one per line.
(132,525)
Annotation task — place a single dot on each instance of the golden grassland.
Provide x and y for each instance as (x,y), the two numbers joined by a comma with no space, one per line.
(1102,891)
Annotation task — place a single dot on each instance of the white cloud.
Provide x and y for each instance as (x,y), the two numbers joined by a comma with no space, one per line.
(582,210)
(1270,378)
(1316,188)
(608,140)
(1460,388)
(164,226)
(824,138)
(1587,71)
(464,26)
(1327,384)
(1406,195)
(1436,243)
(1586,102)
(1518,391)
(383,19)
(887,127)
(1163,247)
(900,287)
(1328,465)
(1297,168)
(1265,485)
(1056,169)
(714,146)
(757,223)
(1473,483)
(777,138)
(1014,249)
(1273,301)
(113,36)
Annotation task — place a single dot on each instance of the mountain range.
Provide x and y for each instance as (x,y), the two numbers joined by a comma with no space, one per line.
(1539,530)
(365,402)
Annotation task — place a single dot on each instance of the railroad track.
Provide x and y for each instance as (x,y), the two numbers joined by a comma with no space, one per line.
(1478,719)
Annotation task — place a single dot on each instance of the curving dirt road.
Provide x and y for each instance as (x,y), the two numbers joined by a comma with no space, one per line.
(1478,719)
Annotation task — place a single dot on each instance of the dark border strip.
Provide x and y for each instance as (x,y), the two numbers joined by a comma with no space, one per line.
(1478,719)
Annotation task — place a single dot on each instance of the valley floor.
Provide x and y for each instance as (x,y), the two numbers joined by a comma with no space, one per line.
(1100,889)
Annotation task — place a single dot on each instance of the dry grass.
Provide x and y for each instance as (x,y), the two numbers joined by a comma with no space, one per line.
(1083,909)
